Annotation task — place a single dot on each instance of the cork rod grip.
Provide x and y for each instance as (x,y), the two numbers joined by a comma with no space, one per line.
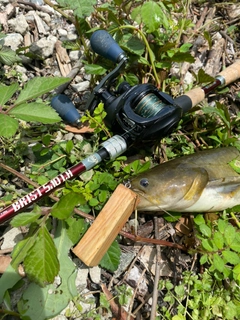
(231,73)
(196,95)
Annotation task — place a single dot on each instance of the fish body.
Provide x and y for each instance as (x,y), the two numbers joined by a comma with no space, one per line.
(201,182)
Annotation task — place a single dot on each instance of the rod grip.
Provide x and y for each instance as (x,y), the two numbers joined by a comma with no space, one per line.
(231,73)
(196,95)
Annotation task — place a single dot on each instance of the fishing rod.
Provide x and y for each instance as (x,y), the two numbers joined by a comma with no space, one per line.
(134,113)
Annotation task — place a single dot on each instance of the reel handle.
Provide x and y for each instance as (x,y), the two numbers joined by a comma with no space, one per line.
(103,44)
(66,109)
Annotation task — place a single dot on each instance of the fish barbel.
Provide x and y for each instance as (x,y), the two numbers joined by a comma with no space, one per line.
(201,182)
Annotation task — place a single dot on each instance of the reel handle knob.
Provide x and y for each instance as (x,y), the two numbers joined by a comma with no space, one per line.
(66,109)
(103,44)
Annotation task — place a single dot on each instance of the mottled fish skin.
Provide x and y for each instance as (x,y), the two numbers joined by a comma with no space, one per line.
(201,182)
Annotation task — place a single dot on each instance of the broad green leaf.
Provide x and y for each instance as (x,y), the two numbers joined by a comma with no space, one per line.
(205,230)
(43,303)
(111,259)
(207,245)
(235,164)
(231,257)
(36,111)
(185,47)
(218,262)
(64,207)
(24,219)
(8,126)
(41,264)
(203,77)
(36,87)
(22,248)
(235,246)
(203,259)
(236,272)
(222,225)
(6,92)
(81,8)
(8,56)
(132,44)
(94,69)
(179,317)
(76,228)
(7,280)
(172,217)
(229,234)
(218,240)
(182,56)
(152,16)
(199,219)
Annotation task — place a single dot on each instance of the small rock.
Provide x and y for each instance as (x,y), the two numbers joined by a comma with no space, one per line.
(95,274)
(62,32)
(19,24)
(13,40)
(22,71)
(68,136)
(78,137)
(81,86)
(44,47)
(133,279)
(74,55)
(11,237)
(72,36)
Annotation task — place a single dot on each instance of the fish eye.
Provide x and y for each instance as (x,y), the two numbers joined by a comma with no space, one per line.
(144,182)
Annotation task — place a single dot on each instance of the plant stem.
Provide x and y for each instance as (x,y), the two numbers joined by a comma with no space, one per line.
(235,219)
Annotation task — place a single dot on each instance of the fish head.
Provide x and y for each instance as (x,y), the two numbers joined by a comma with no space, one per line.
(169,188)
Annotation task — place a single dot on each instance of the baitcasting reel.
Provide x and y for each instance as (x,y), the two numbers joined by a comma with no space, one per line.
(141,111)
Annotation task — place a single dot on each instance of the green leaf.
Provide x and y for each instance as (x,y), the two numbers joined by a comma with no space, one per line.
(111,259)
(199,219)
(218,262)
(207,245)
(36,111)
(81,8)
(222,225)
(235,164)
(236,272)
(8,279)
(24,219)
(41,264)
(43,303)
(203,77)
(64,207)
(132,44)
(229,234)
(235,246)
(94,69)
(6,92)
(172,217)
(231,257)
(152,16)
(76,228)
(8,56)
(203,259)
(36,87)
(22,248)
(218,240)
(8,126)
(205,230)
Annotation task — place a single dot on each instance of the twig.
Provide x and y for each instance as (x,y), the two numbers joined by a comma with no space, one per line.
(157,273)
(34,6)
